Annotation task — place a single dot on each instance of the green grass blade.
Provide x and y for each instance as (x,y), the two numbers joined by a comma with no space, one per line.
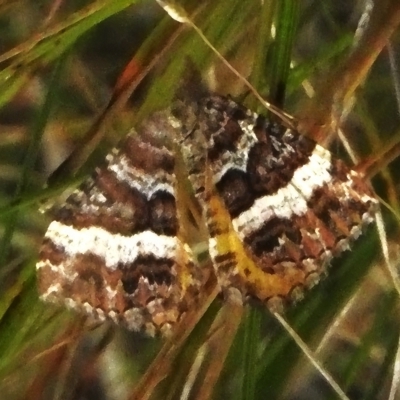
(40,122)
(281,56)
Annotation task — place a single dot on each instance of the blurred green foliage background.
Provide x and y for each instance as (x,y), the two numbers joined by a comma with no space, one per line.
(78,75)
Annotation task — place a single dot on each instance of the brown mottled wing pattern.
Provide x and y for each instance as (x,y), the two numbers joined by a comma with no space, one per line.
(114,249)
(290,203)
(278,208)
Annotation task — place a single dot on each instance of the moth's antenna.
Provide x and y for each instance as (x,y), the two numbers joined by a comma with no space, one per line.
(179,14)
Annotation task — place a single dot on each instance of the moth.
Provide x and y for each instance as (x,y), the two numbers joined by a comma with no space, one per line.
(277,208)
